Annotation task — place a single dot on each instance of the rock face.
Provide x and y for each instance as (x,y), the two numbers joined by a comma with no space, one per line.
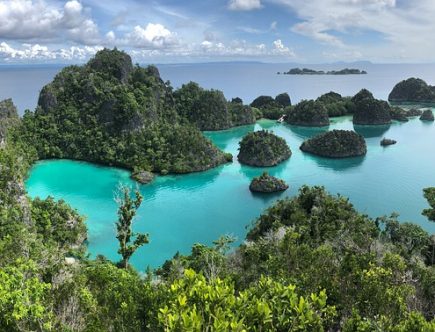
(399,114)
(283,100)
(266,183)
(387,141)
(370,111)
(336,144)
(427,116)
(412,90)
(143,177)
(262,149)
(414,112)
(308,113)
(8,116)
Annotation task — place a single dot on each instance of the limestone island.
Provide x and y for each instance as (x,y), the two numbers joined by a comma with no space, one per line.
(399,114)
(271,108)
(336,104)
(111,112)
(308,113)
(412,90)
(387,141)
(266,183)
(8,118)
(306,71)
(263,149)
(209,110)
(336,144)
(370,111)
(427,116)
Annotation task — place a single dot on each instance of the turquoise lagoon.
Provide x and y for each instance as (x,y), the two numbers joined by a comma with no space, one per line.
(181,210)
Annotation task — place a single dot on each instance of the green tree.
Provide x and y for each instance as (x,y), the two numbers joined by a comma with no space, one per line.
(429,194)
(127,210)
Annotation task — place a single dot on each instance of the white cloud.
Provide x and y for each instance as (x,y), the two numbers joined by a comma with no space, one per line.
(280,49)
(29,20)
(151,36)
(244,4)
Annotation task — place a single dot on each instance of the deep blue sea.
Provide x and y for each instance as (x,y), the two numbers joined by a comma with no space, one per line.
(179,211)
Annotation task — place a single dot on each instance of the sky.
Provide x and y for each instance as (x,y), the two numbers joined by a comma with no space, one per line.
(179,31)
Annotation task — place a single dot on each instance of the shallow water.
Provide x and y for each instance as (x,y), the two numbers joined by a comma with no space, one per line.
(179,211)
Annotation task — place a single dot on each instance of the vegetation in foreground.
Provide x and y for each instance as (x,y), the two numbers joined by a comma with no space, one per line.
(310,263)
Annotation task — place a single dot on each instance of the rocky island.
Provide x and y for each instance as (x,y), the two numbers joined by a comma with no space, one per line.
(412,90)
(336,144)
(335,104)
(209,110)
(399,114)
(427,115)
(387,141)
(370,111)
(266,183)
(272,108)
(263,149)
(308,113)
(111,112)
(306,71)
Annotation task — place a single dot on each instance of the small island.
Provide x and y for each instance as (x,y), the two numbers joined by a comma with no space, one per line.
(336,144)
(263,149)
(427,115)
(399,114)
(387,141)
(306,71)
(271,108)
(143,177)
(412,90)
(336,104)
(266,183)
(370,111)
(308,113)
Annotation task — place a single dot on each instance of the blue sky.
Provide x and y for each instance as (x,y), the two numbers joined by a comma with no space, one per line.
(170,31)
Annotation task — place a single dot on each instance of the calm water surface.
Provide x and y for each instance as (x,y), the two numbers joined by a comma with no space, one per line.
(179,211)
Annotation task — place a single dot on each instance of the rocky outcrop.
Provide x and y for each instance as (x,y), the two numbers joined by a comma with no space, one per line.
(387,141)
(266,183)
(262,149)
(414,112)
(336,144)
(8,117)
(427,116)
(399,114)
(283,100)
(209,110)
(370,111)
(115,64)
(143,177)
(308,113)
(241,114)
(412,90)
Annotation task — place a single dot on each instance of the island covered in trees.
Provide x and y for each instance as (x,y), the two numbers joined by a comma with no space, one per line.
(263,149)
(336,144)
(310,262)
(307,71)
(265,183)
